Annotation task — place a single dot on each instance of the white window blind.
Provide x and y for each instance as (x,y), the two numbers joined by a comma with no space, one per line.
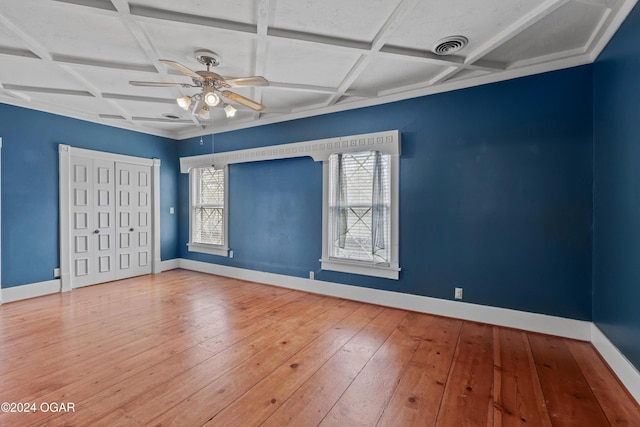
(360,207)
(208,207)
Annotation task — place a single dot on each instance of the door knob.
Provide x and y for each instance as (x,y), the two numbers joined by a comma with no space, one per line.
(131,229)
(96,232)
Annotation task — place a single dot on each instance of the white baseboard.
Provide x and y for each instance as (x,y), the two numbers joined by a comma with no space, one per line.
(32,290)
(170,264)
(533,322)
(626,372)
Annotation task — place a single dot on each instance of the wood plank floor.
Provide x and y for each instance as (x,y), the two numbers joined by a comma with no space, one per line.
(189,349)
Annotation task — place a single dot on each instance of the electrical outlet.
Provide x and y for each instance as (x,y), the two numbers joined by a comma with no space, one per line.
(230,254)
(172,210)
(458,293)
(56,273)
(312,275)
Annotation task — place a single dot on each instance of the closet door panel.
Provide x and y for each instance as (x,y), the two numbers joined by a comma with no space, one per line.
(134,214)
(92,223)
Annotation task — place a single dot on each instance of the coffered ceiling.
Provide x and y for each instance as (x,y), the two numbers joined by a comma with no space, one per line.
(76,57)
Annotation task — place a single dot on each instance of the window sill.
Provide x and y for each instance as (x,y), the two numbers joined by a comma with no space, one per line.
(365,269)
(208,249)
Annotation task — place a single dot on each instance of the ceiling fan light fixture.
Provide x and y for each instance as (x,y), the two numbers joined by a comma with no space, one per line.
(211,99)
(203,113)
(184,102)
(229,110)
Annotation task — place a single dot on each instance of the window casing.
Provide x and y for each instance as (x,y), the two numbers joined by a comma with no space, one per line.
(360,214)
(208,211)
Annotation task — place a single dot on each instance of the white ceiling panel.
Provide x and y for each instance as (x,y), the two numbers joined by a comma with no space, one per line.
(76,57)
(71,30)
(8,39)
(355,20)
(561,31)
(297,62)
(387,72)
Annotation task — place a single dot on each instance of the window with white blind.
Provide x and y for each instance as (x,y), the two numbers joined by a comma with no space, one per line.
(361,214)
(208,219)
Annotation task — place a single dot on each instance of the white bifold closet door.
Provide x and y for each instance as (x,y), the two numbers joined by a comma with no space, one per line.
(110,220)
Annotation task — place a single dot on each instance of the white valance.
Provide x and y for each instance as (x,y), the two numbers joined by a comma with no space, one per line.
(387,142)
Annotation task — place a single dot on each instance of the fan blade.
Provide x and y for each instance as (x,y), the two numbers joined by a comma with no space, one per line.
(184,70)
(157,84)
(242,100)
(246,81)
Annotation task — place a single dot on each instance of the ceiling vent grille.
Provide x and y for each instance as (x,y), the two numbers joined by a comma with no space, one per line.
(450,45)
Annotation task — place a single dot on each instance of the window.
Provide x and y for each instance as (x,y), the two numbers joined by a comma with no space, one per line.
(208,211)
(360,224)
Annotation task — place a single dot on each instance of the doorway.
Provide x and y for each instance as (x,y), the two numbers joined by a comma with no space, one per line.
(109,216)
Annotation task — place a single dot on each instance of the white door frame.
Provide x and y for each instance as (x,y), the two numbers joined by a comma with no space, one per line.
(65,152)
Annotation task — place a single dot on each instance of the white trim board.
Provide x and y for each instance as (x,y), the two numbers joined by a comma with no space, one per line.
(387,142)
(17,293)
(170,264)
(626,372)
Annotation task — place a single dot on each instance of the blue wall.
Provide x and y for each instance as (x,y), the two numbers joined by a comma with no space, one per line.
(495,194)
(616,238)
(30,208)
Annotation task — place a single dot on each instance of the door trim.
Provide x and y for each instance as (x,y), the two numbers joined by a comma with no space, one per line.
(64,156)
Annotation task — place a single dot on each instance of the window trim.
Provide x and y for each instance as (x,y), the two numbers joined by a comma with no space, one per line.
(390,271)
(387,142)
(219,250)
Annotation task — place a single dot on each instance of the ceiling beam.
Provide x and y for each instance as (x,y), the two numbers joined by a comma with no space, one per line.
(96,4)
(449,60)
(26,53)
(168,15)
(126,97)
(144,41)
(67,59)
(265,15)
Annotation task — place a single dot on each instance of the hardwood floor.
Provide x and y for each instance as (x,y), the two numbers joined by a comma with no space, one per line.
(189,349)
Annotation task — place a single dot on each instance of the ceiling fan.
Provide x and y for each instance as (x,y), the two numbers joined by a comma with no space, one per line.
(213,87)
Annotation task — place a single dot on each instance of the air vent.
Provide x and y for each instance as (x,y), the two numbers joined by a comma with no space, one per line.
(450,45)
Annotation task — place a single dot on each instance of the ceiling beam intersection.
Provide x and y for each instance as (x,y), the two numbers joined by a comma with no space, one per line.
(386,31)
